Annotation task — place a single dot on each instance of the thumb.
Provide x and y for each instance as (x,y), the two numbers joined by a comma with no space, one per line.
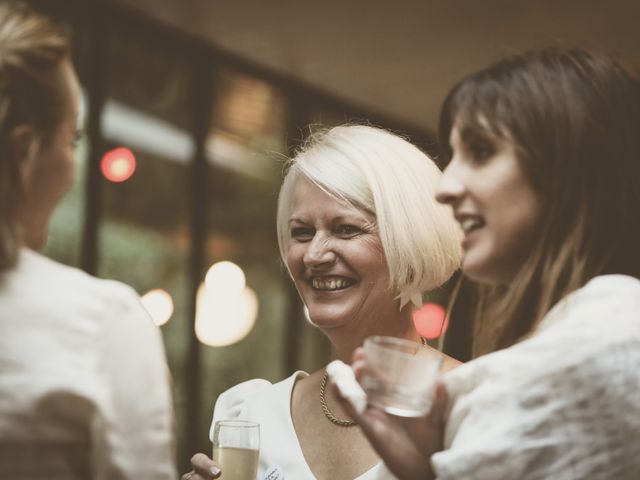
(439,405)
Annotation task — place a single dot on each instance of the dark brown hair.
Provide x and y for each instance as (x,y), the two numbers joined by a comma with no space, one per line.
(574,119)
(31,49)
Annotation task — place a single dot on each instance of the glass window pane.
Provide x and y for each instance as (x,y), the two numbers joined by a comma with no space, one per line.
(144,235)
(245,150)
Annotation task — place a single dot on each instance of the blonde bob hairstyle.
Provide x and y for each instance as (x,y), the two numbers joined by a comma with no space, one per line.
(381,173)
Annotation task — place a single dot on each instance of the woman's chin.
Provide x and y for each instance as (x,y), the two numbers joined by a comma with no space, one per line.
(36,240)
(327,321)
(478,269)
(482,272)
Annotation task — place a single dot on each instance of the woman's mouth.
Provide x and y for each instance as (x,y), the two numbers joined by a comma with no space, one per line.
(470,224)
(331,283)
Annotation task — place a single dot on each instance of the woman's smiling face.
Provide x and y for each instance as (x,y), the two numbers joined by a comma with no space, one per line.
(336,260)
(494,202)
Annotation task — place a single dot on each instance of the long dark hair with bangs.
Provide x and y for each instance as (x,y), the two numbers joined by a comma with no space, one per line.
(574,119)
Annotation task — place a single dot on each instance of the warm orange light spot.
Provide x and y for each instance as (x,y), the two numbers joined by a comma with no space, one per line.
(431,320)
(118,165)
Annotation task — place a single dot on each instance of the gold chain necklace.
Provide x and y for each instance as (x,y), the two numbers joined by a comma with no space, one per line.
(323,402)
(327,413)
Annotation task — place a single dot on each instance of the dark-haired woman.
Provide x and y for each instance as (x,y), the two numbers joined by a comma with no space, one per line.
(543,177)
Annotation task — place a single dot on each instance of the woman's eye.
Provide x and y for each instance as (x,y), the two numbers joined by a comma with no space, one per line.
(302,234)
(77,137)
(481,150)
(348,230)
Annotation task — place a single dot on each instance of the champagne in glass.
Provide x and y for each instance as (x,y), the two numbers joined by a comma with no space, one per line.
(236,447)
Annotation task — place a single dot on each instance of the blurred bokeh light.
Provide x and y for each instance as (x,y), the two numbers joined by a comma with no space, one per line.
(159,304)
(226,309)
(118,165)
(431,321)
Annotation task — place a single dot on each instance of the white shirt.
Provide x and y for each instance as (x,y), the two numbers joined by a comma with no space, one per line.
(269,405)
(84,390)
(563,404)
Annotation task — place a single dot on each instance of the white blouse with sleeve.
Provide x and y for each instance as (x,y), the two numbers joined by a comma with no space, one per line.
(270,406)
(84,384)
(563,404)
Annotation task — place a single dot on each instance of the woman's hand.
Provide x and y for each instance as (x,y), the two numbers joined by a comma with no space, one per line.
(404,444)
(203,468)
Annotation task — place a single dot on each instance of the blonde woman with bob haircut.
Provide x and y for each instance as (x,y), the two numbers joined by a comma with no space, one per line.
(84,391)
(355,164)
(362,239)
(543,172)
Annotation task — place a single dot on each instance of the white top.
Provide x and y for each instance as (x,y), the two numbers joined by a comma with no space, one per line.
(84,391)
(270,406)
(563,404)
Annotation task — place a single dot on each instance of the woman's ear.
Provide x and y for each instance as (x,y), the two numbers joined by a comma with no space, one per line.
(23,147)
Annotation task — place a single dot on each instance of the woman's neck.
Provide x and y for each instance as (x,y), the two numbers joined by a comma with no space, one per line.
(345,341)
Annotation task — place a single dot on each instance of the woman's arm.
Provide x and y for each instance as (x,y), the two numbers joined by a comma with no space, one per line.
(404,444)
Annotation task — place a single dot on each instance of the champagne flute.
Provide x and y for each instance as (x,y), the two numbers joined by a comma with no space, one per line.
(236,448)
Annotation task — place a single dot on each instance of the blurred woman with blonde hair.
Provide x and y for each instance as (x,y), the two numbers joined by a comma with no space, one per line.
(84,389)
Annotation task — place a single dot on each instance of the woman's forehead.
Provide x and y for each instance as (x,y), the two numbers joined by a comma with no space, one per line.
(473,126)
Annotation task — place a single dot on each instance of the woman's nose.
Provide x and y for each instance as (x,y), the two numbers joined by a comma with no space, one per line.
(319,252)
(451,188)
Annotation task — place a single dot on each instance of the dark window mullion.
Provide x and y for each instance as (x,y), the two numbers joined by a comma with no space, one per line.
(202,98)
(96,76)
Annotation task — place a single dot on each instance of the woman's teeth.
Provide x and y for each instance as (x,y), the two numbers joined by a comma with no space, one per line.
(470,224)
(331,283)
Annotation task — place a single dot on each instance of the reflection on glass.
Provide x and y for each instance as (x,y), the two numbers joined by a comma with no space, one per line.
(250,111)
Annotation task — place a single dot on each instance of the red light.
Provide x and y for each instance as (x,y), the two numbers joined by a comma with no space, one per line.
(431,320)
(118,164)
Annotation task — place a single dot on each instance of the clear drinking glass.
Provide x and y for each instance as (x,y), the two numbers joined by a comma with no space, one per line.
(400,376)
(236,447)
